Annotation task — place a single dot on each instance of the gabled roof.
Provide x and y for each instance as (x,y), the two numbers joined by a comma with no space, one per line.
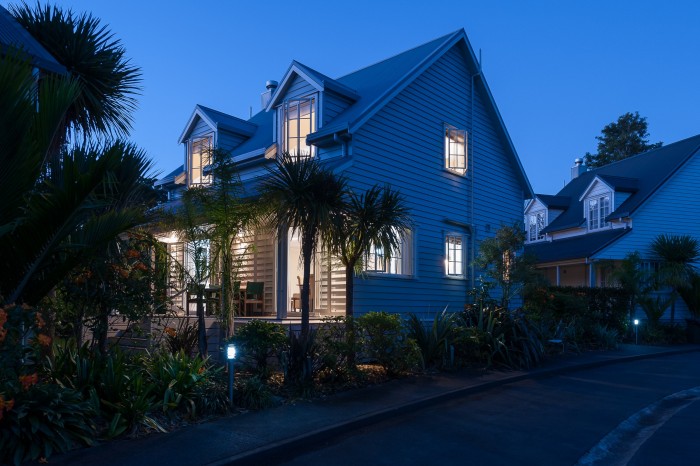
(577,247)
(370,89)
(641,176)
(554,202)
(218,120)
(318,80)
(13,35)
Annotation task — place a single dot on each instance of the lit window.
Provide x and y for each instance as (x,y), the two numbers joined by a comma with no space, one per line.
(535,222)
(396,263)
(197,263)
(455,149)
(598,209)
(454,256)
(298,121)
(200,158)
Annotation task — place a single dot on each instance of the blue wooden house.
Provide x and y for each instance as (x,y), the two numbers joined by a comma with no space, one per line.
(423,121)
(602,215)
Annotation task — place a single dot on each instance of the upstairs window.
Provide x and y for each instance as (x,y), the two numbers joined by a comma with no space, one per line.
(298,121)
(396,263)
(200,158)
(598,209)
(536,221)
(455,149)
(454,256)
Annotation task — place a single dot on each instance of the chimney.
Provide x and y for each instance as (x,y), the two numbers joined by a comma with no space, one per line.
(271,86)
(578,169)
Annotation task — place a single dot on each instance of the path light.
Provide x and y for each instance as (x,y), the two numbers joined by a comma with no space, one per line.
(230,356)
(636,334)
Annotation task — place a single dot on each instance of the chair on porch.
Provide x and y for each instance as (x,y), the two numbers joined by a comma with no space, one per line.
(254,294)
(297,296)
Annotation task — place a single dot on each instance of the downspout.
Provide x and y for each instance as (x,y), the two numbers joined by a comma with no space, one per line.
(343,144)
(471,177)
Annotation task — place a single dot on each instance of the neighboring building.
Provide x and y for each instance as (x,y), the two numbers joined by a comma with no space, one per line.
(606,213)
(423,121)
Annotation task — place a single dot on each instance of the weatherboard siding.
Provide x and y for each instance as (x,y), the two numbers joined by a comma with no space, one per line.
(201,129)
(403,144)
(674,210)
(333,105)
(298,88)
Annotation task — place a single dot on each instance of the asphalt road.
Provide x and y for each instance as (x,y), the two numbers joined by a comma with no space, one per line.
(639,413)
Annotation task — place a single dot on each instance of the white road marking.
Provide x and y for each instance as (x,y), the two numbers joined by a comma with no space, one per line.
(620,445)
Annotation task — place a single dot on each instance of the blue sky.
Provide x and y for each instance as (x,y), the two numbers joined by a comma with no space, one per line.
(559,70)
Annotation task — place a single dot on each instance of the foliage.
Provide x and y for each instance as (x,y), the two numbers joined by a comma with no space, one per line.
(691,295)
(505,266)
(654,307)
(624,138)
(376,217)
(253,393)
(60,204)
(44,419)
(434,341)
(303,195)
(505,338)
(582,307)
(259,340)
(96,62)
(300,362)
(177,380)
(604,337)
(383,339)
(678,255)
(184,338)
(633,279)
(335,346)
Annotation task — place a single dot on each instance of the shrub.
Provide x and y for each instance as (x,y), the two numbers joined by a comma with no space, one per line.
(258,341)
(253,393)
(604,337)
(184,338)
(333,348)
(383,340)
(434,342)
(43,419)
(506,338)
(177,381)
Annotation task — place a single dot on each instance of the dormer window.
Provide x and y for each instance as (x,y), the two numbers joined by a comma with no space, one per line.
(536,221)
(199,159)
(455,149)
(298,121)
(598,209)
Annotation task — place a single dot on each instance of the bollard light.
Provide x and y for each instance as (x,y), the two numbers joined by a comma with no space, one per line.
(231,350)
(636,333)
(230,356)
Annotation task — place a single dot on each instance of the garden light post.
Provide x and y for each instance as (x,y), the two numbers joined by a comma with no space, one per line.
(230,356)
(636,334)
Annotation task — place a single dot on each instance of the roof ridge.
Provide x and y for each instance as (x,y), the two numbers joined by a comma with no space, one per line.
(443,38)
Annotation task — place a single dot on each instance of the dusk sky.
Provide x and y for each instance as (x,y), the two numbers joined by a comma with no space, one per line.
(559,70)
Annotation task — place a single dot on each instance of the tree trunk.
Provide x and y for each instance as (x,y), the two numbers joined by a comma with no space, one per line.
(350,313)
(307,253)
(201,326)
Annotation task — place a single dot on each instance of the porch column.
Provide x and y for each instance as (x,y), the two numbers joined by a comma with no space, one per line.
(591,275)
(558,278)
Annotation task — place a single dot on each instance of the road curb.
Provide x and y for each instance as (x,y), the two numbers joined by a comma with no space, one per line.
(279,450)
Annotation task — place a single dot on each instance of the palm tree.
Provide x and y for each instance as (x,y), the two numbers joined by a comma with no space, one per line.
(376,217)
(678,255)
(303,196)
(630,276)
(57,206)
(106,81)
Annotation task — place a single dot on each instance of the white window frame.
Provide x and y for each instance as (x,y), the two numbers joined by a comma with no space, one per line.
(534,229)
(455,253)
(190,267)
(399,264)
(456,152)
(597,208)
(284,126)
(204,155)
